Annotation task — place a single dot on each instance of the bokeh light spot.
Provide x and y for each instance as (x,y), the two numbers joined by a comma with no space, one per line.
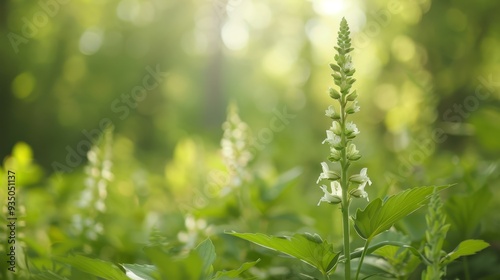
(139,13)
(235,34)
(280,59)
(23,85)
(329,7)
(91,41)
(456,19)
(258,15)
(74,68)
(403,48)
(386,96)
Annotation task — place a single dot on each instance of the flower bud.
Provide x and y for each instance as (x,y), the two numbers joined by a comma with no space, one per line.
(334,93)
(336,128)
(335,67)
(352,152)
(352,96)
(359,193)
(334,155)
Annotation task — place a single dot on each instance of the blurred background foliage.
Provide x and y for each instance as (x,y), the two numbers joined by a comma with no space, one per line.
(429,87)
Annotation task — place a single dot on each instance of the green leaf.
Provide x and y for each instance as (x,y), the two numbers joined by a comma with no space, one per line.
(373,266)
(95,267)
(465,213)
(379,216)
(144,271)
(47,275)
(465,248)
(230,274)
(175,267)
(270,194)
(206,251)
(308,248)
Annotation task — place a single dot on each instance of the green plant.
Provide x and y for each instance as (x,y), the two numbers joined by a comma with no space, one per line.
(377,217)
(240,199)
(435,235)
(168,263)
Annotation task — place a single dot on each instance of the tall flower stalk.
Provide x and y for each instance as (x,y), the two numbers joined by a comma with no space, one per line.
(339,137)
(435,236)
(93,198)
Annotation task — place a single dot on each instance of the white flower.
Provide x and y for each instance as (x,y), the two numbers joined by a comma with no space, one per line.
(348,65)
(362,179)
(327,173)
(351,129)
(332,139)
(333,197)
(330,112)
(355,106)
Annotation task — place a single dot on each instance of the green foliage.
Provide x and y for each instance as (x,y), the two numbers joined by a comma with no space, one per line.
(193,265)
(144,271)
(465,248)
(435,237)
(94,267)
(309,248)
(379,216)
(464,212)
(236,273)
(430,115)
(402,258)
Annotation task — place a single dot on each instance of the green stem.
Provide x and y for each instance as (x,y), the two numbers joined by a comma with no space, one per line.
(345,196)
(466,269)
(365,249)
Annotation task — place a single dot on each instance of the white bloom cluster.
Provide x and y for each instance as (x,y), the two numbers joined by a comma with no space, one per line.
(195,229)
(93,198)
(235,147)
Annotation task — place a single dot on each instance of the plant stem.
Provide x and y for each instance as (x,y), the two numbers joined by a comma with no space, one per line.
(347,250)
(466,269)
(362,257)
(345,196)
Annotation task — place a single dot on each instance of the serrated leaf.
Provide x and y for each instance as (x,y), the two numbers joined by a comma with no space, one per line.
(142,271)
(465,248)
(223,275)
(379,216)
(308,248)
(95,267)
